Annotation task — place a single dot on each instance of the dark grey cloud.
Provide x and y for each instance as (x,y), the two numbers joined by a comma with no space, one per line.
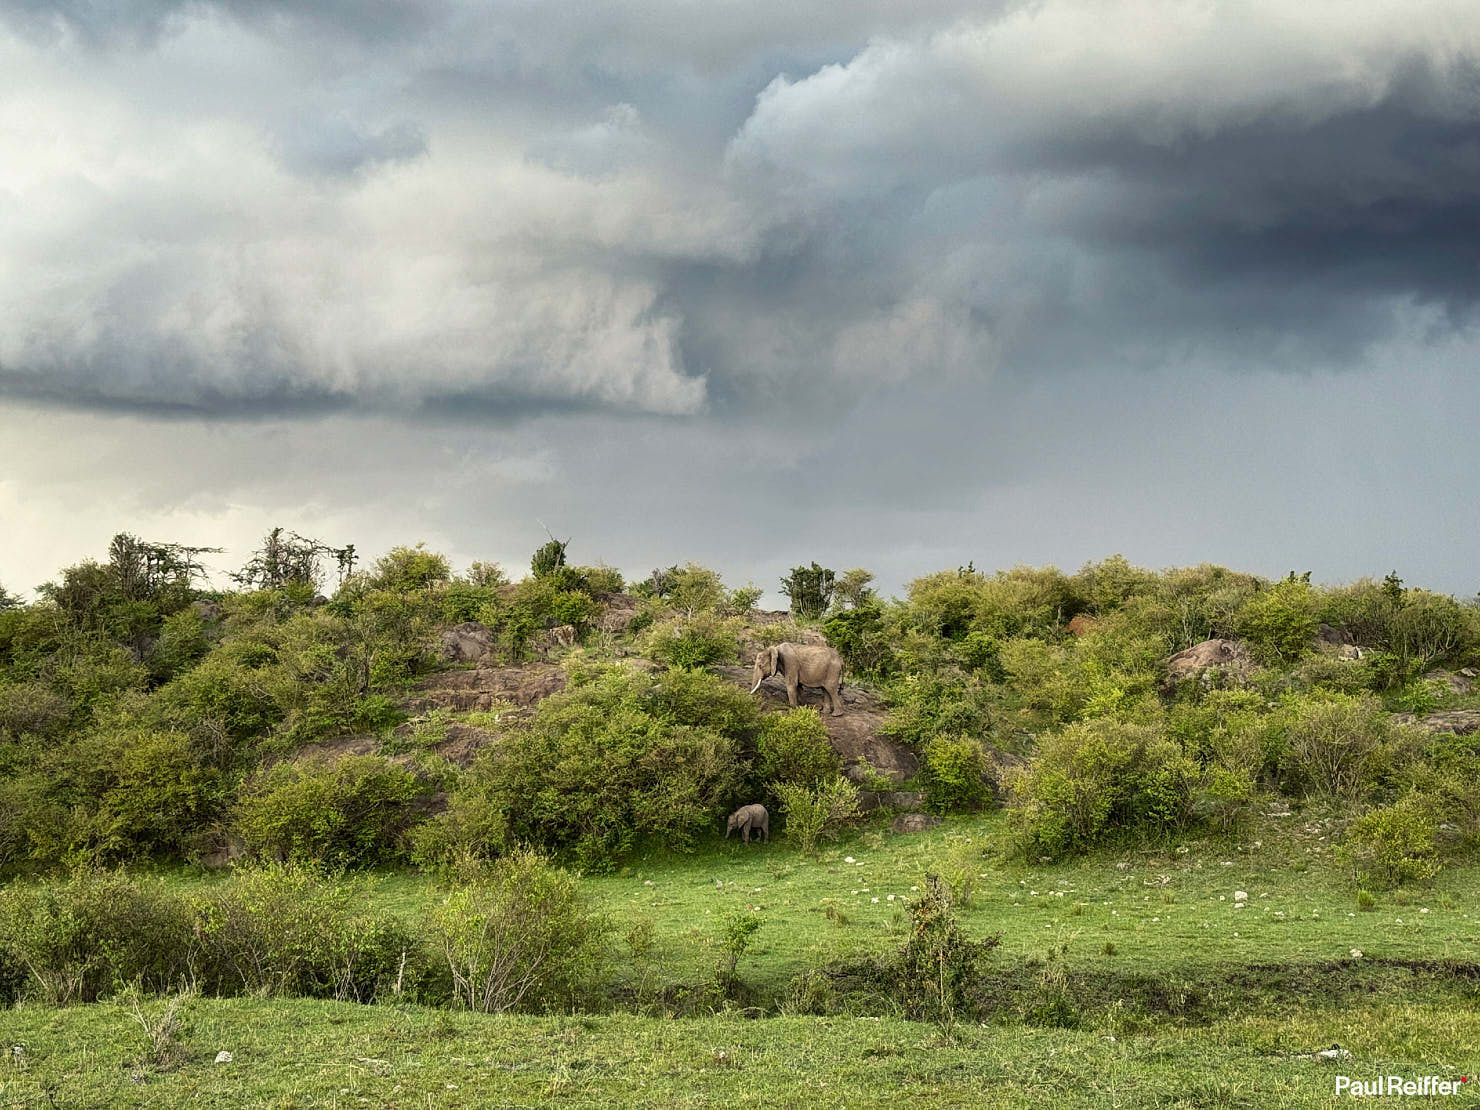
(918,255)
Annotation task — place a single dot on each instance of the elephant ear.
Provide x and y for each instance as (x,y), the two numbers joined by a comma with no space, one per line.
(778,659)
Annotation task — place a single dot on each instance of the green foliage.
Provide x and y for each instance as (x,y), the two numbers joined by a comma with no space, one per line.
(738,931)
(924,706)
(957,774)
(94,934)
(548,558)
(516,934)
(1396,844)
(793,748)
(1099,780)
(852,588)
(153,794)
(615,760)
(933,973)
(289,931)
(182,642)
(1337,745)
(743,599)
(409,568)
(693,641)
(1279,624)
(862,638)
(809,589)
(352,812)
(817,811)
(485,575)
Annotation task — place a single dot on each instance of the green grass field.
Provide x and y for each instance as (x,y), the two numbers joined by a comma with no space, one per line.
(1181,997)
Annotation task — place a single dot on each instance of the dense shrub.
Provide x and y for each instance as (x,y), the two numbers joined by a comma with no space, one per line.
(516,934)
(409,568)
(694,641)
(957,774)
(601,767)
(286,930)
(809,589)
(793,748)
(94,934)
(1337,745)
(1397,843)
(153,795)
(924,706)
(1279,624)
(1099,780)
(862,638)
(352,812)
(816,811)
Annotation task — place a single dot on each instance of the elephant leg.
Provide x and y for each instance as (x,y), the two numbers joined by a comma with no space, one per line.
(835,700)
(791,694)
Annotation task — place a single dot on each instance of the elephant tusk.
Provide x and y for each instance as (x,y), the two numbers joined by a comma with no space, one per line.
(757,685)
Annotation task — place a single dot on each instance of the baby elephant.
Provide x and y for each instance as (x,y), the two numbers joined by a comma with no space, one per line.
(748,819)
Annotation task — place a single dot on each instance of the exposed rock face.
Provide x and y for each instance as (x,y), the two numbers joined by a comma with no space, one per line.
(466,643)
(1460,682)
(1460,722)
(914,822)
(1227,656)
(1337,642)
(1082,625)
(856,735)
(870,800)
(620,612)
(483,688)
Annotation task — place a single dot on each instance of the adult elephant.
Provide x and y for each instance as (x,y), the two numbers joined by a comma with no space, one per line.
(803,665)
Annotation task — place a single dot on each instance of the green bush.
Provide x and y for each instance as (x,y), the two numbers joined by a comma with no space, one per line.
(95,934)
(694,641)
(809,589)
(814,812)
(957,774)
(933,974)
(409,568)
(154,795)
(353,812)
(1279,624)
(603,766)
(289,931)
(516,935)
(1099,780)
(793,748)
(1396,844)
(1337,745)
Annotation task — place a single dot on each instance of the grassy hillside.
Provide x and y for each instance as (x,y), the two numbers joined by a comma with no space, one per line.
(1125,836)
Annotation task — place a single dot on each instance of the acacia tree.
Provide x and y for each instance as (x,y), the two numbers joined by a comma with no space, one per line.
(286,558)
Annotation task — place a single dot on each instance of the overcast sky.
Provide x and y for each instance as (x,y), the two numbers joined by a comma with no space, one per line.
(898,285)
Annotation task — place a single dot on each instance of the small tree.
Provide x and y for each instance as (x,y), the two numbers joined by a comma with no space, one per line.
(288,559)
(8,600)
(549,557)
(810,590)
(817,812)
(853,587)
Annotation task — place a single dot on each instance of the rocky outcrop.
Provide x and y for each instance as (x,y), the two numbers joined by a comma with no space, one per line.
(1460,683)
(856,736)
(618,612)
(469,642)
(870,800)
(1459,722)
(1226,657)
(1337,642)
(485,688)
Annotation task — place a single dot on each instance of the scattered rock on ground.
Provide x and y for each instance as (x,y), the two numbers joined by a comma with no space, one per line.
(1456,682)
(619,612)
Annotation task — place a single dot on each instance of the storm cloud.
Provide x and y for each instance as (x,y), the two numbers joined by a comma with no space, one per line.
(864,271)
